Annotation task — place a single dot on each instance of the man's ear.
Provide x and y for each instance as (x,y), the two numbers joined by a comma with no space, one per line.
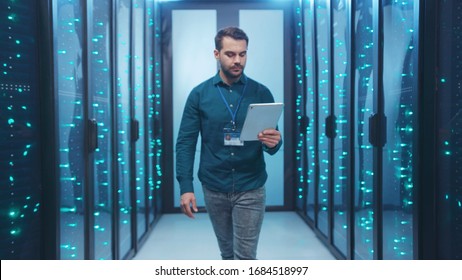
(216,53)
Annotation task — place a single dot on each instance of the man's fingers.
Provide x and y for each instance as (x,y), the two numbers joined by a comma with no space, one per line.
(194,205)
(188,200)
(187,211)
(270,137)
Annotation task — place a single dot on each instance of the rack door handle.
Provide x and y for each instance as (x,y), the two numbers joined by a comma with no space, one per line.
(135,129)
(92,135)
(378,130)
(331,127)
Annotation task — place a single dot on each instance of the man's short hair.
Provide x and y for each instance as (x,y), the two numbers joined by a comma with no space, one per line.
(233,32)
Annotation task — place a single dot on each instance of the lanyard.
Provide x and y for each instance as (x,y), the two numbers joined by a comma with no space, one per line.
(233,114)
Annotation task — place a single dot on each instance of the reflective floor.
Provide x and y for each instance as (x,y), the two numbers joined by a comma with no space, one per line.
(284,236)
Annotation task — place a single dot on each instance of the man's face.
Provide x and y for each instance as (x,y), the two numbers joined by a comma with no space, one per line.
(232,57)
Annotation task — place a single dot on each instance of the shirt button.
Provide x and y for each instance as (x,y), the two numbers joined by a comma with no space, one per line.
(232,154)
(231,105)
(230,90)
(232,169)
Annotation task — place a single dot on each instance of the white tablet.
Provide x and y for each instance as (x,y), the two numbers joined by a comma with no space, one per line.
(260,116)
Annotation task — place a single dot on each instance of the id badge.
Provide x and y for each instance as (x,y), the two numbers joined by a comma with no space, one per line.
(231,137)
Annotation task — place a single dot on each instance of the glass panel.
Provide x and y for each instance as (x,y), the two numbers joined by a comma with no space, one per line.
(157,103)
(139,98)
(265,28)
(186,25)
(308,14)
(449,134)
(363,152)
(70,109)
(341,172)
(300,150)
(149,56)
(322,45)
(20,153)
(400,92)
(100,109)
(123,124)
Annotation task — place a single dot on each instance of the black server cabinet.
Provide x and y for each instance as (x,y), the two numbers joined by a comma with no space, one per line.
(448,141)
(360,107)
(107,126)
(20,125)
(81,146)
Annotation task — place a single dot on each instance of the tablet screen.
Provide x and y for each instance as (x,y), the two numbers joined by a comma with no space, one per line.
(260,116)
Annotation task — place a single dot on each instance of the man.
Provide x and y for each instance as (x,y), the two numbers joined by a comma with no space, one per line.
(232,172)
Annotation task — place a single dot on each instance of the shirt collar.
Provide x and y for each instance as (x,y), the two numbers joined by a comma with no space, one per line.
(218,80)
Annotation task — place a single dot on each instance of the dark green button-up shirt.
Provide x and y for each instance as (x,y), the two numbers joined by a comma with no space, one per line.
(222,168)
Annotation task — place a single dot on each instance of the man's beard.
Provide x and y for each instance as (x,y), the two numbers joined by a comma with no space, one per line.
(231,74)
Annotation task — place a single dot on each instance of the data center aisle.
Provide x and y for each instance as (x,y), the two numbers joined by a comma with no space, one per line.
(284,236)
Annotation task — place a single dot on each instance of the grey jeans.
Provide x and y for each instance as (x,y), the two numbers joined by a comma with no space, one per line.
(236,219)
